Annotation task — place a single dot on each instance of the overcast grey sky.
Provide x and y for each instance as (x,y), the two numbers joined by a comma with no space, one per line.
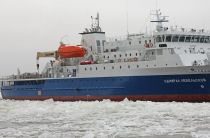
(28,26)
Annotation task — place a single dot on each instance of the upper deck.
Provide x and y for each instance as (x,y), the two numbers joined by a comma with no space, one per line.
(183,35)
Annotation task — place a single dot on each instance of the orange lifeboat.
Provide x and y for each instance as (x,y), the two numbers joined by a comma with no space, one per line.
(67,51)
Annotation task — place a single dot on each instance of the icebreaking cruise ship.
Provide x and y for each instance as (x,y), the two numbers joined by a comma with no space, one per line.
(172,64)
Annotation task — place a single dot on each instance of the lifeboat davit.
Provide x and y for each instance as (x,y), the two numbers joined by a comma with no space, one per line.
(67,51)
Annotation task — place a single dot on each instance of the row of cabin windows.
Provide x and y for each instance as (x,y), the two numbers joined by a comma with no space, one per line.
(125,55)
(130,42)
(112,67)
(112,50)
(183,38)
(137,66)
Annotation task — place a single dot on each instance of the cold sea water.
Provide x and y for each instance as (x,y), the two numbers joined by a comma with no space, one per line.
(106,119)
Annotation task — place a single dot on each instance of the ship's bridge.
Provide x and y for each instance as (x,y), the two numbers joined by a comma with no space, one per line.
(182,35)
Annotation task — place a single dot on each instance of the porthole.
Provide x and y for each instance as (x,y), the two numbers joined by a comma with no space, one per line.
(136,54)
(130,54)
(120,55)
(120,67)
(104,68)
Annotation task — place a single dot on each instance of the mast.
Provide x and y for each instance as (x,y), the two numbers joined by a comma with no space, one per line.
(159,20)
(95,26)
(97,19)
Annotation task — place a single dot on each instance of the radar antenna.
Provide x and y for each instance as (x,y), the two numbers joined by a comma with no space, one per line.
(95,26)
(159,20)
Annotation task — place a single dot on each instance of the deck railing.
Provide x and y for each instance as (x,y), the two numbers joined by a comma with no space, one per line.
(25,76)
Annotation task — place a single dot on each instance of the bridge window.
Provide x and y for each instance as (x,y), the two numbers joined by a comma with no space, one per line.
(196,39)
(158,39)
(168,38)
(202,39)
(192,39)
(187,38)
(175,38)
(181,38)
(207,39)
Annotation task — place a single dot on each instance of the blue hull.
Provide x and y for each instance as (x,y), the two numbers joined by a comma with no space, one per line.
(194,87)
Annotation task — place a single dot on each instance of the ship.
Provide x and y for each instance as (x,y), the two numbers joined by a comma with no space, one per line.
(169,64)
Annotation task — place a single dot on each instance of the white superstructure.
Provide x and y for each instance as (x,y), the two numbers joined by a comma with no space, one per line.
(166,51)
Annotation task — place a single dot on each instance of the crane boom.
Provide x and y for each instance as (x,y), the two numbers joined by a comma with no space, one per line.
(52,54)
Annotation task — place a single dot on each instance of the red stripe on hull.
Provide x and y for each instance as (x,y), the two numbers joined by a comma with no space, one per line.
(161,98)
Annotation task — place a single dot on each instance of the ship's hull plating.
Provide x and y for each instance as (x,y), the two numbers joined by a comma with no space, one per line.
(188,88)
